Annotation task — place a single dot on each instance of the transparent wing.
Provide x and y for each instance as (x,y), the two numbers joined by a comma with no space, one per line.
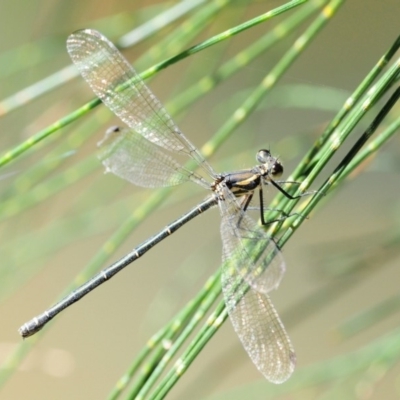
(120,87)
(259,328)
(255,255)
(253,266)
(130,156)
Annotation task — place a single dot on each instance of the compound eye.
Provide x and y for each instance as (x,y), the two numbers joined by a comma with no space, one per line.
(276,169)
(263,156)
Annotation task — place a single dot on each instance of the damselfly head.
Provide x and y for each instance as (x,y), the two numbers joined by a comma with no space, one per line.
(274,166)
(263,156)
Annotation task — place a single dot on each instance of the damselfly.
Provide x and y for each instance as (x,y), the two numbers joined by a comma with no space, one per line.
(252,262)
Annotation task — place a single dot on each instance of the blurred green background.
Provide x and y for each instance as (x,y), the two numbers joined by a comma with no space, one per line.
(343,260)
